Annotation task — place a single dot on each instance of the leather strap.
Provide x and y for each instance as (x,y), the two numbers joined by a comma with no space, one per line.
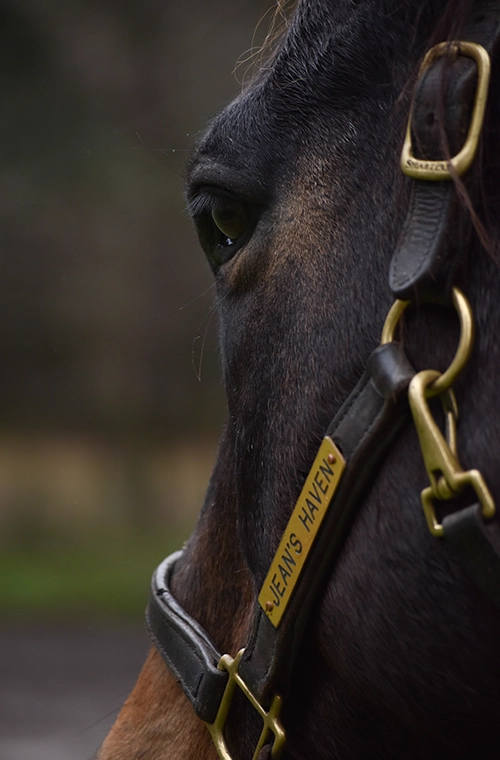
(476,544)
(437,229)
(436,232)
(184,645)
(364,429)
(424,266)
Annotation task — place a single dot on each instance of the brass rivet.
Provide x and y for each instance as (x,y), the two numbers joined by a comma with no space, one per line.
(332,458)
(269,606)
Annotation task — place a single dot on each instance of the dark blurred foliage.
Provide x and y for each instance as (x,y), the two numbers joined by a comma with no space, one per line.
(105,319)
(110,393)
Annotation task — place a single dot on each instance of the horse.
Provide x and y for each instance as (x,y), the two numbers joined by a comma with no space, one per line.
(299,201)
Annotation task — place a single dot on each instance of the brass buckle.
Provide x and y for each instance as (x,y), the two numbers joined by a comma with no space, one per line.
(440,170)
(271,718)
(446,476)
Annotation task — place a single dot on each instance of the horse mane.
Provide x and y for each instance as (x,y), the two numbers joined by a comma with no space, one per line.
(278,25)
(448,28)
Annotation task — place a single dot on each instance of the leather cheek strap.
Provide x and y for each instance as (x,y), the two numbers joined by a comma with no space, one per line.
(437,229)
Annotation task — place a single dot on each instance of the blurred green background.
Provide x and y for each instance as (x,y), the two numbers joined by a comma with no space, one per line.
(110,394)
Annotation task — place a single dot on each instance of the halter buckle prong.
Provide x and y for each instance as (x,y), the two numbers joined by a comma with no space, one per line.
(270,718)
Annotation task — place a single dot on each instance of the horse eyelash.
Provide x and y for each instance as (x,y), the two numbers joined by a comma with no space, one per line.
(205,203)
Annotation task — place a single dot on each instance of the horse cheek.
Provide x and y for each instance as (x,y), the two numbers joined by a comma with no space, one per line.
(157,719)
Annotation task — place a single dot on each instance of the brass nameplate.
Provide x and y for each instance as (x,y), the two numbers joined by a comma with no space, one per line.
(303,526)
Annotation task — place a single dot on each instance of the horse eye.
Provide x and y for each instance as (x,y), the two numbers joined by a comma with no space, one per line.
(232,221)
(224,224)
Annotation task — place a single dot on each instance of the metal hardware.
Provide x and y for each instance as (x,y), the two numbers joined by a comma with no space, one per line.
(392,320)
(440,170)
(446,476)
(463,352)
(464,349)
(301,530)
(271,718)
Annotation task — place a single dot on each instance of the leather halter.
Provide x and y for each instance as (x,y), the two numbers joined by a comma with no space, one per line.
(435,237)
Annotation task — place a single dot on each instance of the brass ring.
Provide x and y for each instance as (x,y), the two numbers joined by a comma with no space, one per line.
(464,311)
(392,321)
(464,349)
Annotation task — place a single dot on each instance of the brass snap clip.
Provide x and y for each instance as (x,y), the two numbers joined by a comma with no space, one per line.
(270,718)
(446,476)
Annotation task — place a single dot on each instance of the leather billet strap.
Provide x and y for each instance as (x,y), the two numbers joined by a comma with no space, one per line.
(436,232)
(437,229)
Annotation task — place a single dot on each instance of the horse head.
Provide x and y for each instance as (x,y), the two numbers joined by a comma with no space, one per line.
(299,201)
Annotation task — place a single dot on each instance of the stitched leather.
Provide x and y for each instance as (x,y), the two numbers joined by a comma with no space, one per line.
(424,264)
(476,544)
(437,229)
(184,645)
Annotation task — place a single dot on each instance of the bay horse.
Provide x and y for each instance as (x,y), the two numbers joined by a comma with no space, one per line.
(300,203)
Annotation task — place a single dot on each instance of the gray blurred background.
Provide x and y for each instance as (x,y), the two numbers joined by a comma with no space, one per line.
(110,394)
